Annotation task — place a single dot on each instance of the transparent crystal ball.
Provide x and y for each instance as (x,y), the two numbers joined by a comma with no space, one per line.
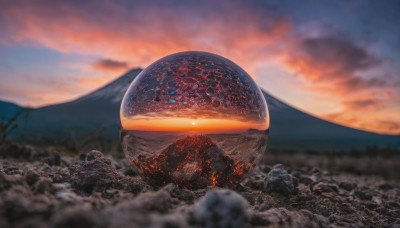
(194,119)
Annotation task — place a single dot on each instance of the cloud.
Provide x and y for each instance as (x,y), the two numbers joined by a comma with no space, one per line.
(363,104)
(109,65)
(339,71)
(389,126)
(38,89)
(140,32)
(334,62)
(374,122)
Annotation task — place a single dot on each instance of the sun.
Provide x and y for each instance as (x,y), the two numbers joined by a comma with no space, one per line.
(193,123)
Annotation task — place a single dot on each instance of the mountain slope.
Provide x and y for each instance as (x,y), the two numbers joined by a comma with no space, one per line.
(290,128)
(83,115)
(8,109)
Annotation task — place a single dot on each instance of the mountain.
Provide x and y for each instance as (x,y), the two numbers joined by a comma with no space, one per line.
(79,117)
(8,109)
(290,127)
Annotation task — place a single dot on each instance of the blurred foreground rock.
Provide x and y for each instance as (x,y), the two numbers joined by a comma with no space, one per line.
(95,174)
(47,189)
(279,180)
(221,208)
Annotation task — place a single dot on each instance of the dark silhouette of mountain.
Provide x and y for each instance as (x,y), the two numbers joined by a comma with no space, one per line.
(290,127)
(8,109)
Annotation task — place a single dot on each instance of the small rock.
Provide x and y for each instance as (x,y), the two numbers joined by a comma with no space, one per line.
(43,185)
(314,170)
(94,175)
(280,181)
(347,185)
(172,189)
(281,217)
(127,168)
(63,175)
(16,203)
(278,166)
(259,200)
(5,182)
(305,180)
(64,193)
(159,201)
(326,173)
(15,150)
(13,170)
(386,186)
(31,177)
(221,208)
(371,205)
(393,205)
(130,172)
(255,181)
(175,220)
(264,168)
(131,184)
(362,195)
(82,156)
(325,187)
(53,159)
(93,155)
(78,217)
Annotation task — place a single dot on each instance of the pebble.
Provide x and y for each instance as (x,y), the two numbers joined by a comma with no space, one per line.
(278,180)
(94,175)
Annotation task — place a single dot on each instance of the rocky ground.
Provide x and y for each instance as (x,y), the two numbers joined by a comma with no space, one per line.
(47,189)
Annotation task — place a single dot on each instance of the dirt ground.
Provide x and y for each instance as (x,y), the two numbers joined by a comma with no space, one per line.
(42,188)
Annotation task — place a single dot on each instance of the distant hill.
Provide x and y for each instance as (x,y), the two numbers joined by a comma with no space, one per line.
(82,116)
(8,109)
(290,127)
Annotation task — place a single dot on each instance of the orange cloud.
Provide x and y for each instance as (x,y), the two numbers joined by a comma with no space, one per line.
(140,36)
(364,104)
(371,122)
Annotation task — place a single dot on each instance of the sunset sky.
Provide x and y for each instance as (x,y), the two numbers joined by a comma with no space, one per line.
(191,120)
(339,60)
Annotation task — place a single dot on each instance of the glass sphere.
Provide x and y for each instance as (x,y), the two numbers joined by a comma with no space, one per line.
(194,119)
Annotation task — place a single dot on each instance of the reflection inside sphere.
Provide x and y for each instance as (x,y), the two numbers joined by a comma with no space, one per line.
(194,119)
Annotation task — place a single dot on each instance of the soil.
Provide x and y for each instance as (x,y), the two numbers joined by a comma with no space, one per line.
(49,189)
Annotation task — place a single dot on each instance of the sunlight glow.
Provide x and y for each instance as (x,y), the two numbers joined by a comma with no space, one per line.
(181,124)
